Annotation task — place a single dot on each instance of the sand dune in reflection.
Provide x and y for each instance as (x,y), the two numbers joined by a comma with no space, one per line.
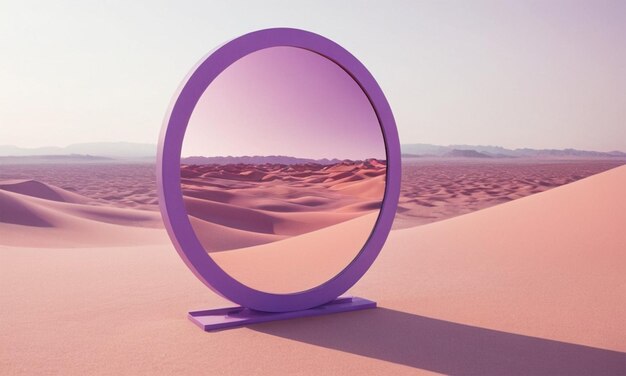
(268,225)
(300,262)
(236,206)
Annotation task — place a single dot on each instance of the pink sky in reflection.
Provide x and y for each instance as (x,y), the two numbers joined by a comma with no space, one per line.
(284,101)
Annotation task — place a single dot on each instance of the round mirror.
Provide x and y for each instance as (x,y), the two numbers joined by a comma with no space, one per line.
(279,170)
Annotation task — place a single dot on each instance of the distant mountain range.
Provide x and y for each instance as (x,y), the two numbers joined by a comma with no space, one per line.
(116,150)
(270,159)
(51,159)
(474,151)
(128,151)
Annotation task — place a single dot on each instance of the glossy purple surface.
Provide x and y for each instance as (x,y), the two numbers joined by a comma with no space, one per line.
(168,172)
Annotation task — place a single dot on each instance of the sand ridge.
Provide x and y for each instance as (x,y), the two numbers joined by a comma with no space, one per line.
(263,203)
(127,185)
(436,189)
(432,189)
(534,286)
(38,214)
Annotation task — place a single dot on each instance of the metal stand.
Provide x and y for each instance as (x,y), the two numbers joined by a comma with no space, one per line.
(233,317)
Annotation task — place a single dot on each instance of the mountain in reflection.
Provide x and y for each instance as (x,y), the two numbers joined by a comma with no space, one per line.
(256,159)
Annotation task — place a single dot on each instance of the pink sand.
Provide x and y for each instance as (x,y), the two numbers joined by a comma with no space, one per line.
(486,292)
(236,206)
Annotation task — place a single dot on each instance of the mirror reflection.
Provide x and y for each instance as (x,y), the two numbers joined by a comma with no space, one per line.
(283,169)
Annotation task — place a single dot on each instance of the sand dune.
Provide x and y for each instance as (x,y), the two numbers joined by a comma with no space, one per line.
(551,265)
(531,287)
(216,237)
(276,201)
(371,188)
(128,185)
(301,262)
(42,215)
(434,189)
(38,189)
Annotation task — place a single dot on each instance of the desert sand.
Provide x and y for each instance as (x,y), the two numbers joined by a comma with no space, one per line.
(126,185)
(245,205)
(40,215)
(432,189)
(303,222)
(532,286)
(300,262)
(437,189)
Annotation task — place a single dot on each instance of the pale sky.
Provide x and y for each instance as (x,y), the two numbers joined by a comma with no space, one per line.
(541,74)
(270,103)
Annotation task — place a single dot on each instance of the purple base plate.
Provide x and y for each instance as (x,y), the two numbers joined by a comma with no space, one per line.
(233,317)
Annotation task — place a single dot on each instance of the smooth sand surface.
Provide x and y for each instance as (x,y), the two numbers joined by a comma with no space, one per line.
(536,286)
(34,214)
(301,262)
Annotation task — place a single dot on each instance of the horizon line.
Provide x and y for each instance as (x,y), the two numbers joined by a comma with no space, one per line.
(280,156)
(402,143)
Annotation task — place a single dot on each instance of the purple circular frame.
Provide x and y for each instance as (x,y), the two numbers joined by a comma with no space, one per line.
(168,171)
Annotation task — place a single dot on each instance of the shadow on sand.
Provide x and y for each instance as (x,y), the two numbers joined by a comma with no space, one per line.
(446,347)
